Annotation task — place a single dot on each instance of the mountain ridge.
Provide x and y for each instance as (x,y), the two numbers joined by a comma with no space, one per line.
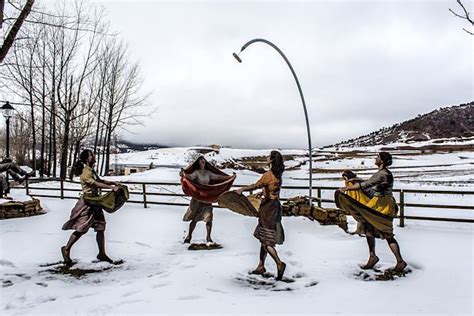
(454,122)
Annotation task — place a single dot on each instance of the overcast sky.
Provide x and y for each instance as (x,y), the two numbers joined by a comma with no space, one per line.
(362,65)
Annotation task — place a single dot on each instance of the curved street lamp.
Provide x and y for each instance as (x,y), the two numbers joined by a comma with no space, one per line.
(236,56)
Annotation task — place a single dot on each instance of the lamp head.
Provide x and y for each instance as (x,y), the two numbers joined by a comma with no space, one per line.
(237,57)
(7,110)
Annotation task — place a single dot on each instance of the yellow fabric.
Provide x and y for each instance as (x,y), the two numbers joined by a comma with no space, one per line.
(358,194)
(110,201)
(370,222)
(382,204)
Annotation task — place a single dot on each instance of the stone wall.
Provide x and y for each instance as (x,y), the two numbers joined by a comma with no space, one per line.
(15,209)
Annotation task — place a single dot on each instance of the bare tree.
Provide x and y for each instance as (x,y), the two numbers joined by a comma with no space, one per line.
(13,32)
(73,73)
(19,138)
(123,98)
(77,81)
(464,15)
(23,73)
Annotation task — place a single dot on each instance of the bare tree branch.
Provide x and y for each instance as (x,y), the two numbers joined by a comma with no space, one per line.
(66,27)
(2,10)
(7,44)
(464,16)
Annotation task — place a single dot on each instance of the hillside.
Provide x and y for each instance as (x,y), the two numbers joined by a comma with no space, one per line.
(448,123)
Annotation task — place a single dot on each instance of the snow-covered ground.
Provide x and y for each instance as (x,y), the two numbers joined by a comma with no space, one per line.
(414,144)
(161,276)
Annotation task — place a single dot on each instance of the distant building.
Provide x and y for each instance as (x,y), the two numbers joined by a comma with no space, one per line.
(125,169)
(216,148)
(207,149)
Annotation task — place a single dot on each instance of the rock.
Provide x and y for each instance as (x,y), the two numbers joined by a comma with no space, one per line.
(14,209)
(299,206)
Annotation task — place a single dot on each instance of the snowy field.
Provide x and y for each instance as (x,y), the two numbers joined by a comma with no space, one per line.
(439,171)
(159,274)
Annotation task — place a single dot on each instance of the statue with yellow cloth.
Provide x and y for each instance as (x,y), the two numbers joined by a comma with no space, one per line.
(372,205)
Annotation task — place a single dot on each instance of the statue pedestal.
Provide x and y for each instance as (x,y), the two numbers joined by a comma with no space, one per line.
(14,209)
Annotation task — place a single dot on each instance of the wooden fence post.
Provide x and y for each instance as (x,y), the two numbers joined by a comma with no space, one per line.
(319,197)
(144,195)
(402,208)
(62,188)
(26,186)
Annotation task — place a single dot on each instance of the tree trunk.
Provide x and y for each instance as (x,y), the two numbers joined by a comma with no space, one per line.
(97,138)
(53,118)
(43,120)
(2,9)
(107,154)
(55,149)
(43,132)
(33,134)
(76,151)
(104,150)
(50,143)
(71,152)
(102,147)
(64,146)
(8,42)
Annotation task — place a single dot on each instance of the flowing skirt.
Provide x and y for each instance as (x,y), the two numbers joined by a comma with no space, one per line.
(198,211)
(374,218)
(84,216)
(269,229)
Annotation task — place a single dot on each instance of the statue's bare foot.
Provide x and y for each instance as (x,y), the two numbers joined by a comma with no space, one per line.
(370,263)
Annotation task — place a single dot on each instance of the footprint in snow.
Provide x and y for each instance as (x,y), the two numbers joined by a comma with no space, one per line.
(216,291)
(127,294)
(6,283)
(6,263)
(155,286)
(41,284)
(380,274)
(267,281)
(187,298)
(143,244)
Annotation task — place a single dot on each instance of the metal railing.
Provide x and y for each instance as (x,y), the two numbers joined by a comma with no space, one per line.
(144,193)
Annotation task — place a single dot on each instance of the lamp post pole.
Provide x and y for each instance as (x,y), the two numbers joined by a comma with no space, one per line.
(7,111)
(8,137)
(236,56)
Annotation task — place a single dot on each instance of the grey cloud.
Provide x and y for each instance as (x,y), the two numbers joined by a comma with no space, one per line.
(362,66)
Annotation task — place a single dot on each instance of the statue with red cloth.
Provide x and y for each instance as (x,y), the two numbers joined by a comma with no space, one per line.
(204,183)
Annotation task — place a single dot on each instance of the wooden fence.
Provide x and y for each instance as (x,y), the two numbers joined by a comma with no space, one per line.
(400,193)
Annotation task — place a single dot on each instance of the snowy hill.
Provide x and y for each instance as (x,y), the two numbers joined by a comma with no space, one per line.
(412,166)
(444,124)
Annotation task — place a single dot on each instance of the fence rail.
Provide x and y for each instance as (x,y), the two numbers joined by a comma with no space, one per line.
(144,193)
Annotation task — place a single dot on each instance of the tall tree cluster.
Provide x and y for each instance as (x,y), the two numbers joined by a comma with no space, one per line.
(77,86)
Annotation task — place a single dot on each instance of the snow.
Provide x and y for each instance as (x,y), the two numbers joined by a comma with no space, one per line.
(414,144)
(160,275)
(177,157)
(17,195)
(182,156)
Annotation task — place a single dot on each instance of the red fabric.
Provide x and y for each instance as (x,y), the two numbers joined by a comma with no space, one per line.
(205,193)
